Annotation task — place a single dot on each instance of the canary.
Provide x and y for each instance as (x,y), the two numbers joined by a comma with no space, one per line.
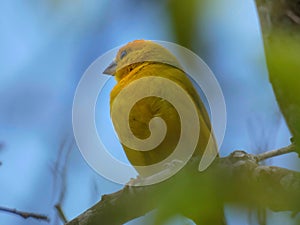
(140,59)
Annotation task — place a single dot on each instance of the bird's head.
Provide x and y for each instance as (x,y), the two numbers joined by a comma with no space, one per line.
(137,52)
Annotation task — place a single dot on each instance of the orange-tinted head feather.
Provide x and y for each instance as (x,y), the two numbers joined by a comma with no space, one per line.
(137,52)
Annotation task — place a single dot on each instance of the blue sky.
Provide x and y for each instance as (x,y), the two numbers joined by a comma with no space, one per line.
(45,49)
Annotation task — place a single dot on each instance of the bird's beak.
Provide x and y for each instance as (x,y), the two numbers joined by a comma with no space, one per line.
(111,69)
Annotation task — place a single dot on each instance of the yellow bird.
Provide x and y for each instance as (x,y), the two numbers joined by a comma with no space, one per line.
(140,59)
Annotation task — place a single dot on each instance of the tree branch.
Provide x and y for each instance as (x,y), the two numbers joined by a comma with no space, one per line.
(25,215)
(236,179)
(277,152)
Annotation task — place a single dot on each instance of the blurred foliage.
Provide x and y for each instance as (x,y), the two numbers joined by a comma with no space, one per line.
(201,203)
(184,19)
(283,54)
(280,21)
(200,196)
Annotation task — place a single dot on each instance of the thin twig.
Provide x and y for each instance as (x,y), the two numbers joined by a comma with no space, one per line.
(61,173)
(25,215)
(277,152)
(61,213)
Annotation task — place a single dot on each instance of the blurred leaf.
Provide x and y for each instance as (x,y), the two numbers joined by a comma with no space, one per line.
(184,20)
(280,21)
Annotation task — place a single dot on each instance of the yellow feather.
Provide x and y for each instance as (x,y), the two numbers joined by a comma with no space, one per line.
(145,59)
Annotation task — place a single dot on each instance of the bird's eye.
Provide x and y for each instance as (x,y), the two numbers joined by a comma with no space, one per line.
(123,54)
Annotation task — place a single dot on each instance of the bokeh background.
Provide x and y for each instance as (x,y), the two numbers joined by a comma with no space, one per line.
(47,45)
